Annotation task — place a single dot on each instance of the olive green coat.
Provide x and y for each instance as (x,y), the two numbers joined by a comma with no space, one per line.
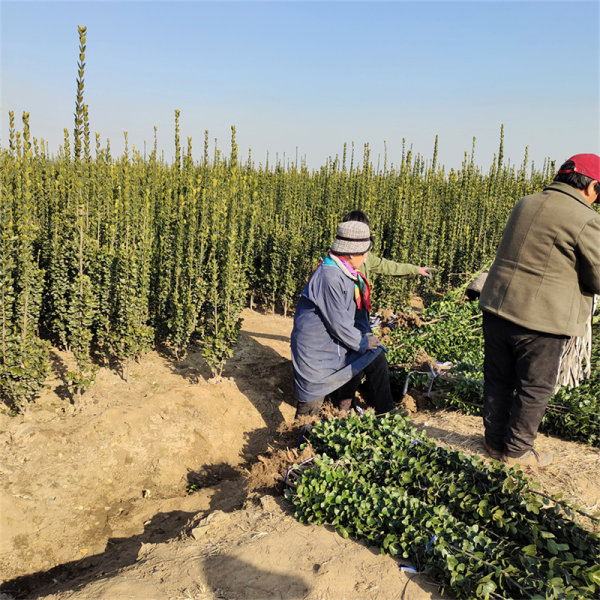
(547,267)
(375,265)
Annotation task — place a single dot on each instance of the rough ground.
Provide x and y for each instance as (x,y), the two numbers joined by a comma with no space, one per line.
(94,498)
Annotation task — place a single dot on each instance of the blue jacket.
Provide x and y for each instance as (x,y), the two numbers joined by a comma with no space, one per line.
(329,338)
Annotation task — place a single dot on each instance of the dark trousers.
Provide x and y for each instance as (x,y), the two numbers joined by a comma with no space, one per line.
(520,371)
(378,392)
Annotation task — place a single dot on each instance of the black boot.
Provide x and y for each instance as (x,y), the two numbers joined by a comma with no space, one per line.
(345,404)
(309,409)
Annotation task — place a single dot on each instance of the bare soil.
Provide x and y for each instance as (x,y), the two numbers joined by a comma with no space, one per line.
(95,498)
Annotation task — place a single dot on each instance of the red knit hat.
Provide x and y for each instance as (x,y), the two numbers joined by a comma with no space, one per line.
(585,164)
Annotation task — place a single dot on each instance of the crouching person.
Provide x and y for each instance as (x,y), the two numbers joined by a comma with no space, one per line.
(333,346)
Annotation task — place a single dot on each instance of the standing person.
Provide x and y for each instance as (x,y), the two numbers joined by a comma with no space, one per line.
(332,343)
(539,292)
(376,265)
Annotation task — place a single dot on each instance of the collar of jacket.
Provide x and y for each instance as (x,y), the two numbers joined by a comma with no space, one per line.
(569,190)
(333,259)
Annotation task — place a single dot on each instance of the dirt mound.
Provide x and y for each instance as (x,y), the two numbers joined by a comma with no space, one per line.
(95,498)
(267,474)
(386,320)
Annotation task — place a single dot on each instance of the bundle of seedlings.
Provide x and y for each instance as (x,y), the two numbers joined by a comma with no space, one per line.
(479,529)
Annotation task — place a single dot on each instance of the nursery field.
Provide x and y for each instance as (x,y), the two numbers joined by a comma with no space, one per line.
(147,441)
(110,257)
(95,500)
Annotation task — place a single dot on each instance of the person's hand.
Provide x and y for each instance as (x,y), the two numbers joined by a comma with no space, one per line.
(373,342)
(426,271)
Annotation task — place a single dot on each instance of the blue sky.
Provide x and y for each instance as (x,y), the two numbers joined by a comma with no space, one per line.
(311,75)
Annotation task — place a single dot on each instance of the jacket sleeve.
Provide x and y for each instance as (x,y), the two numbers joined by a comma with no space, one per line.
(337,309)
(383,266)
(589,254)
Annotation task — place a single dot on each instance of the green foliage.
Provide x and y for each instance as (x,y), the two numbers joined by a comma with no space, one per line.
(478,529)
(575,412)
(24,366)
(80,110)
(24,358)
(133,252)
(451,331)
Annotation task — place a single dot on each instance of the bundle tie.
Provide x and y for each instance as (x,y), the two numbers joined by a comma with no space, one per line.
(292,468)
(431,542)
(407,568)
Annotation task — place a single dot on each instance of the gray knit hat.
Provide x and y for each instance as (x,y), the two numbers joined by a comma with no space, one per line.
(353,237)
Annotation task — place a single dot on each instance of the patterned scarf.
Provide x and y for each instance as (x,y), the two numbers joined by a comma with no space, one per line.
(362,289)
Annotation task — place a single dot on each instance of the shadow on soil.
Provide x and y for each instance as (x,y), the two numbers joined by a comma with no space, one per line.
(223,572)
(193,368)
(234,578)
(218,477)
(60,368)
(268,336)
(119,553)
(265,378)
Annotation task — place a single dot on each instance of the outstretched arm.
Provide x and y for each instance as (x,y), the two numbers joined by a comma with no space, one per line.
(384,266)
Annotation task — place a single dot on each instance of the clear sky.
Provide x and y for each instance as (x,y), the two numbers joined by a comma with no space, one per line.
(307,76)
